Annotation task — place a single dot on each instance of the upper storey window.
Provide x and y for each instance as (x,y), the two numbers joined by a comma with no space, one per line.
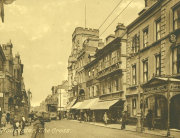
(114,57)
(107,61)
(158,29)
(176,60)
(135,43)
(177,18)
(145,37)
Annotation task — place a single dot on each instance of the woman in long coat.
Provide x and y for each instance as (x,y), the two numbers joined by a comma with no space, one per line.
(38,127)
(3,119)
(105,118)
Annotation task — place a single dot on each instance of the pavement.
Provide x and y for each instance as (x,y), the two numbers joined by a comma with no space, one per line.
(3,129)
(174,133)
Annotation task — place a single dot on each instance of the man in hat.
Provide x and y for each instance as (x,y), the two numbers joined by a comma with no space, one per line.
(38,127)
(149,118)
(123,120)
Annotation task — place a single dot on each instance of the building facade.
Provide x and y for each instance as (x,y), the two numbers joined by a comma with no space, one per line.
(12,83)
(77,60)
(153,63)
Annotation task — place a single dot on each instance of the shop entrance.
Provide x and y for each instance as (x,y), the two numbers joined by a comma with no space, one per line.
(175,112)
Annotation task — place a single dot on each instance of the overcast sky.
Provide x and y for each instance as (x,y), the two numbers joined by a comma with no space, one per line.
(41,31)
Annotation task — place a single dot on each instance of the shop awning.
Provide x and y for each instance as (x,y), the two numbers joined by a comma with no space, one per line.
(91,103)
(103,105)
(84,103)
(71,104)
(76,105)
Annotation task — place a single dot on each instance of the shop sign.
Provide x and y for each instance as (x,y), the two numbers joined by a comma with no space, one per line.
(175,87)
(153,89)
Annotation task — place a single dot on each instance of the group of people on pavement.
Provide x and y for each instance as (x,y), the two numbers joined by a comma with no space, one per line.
(123,119)
(5,118)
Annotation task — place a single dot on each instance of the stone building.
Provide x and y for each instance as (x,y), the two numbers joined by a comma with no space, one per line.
(106,76)
(77,59)
(153,63)
(13,87)
(99,75)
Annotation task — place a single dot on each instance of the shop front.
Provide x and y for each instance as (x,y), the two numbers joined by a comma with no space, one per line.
(162,96)
(113,108)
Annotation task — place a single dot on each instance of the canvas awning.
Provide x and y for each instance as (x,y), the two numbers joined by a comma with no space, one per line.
(103,105)
(84,103)
(76,105)
(71,104)
(91,103)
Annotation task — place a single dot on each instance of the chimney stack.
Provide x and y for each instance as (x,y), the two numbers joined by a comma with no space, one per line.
(120,28)
(148,3)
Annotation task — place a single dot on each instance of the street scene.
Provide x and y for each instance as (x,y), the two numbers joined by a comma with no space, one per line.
(90,68)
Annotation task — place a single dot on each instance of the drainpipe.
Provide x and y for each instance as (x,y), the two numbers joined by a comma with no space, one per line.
(168,99)
(139,127)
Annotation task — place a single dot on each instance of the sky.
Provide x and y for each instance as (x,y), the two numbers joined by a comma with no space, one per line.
(41,31)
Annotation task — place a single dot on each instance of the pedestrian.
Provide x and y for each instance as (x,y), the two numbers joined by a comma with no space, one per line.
(8,117)
(22,125)
(149,118)
(15,125)
(3,119)
(105,118)
(59,116)
(94,117)
(85,117)
(123,120)
(38,127)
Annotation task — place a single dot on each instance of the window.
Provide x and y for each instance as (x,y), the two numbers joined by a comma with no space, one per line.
(146,103)
(158,104)
(177,18)
(116,85)
(100,65)
(89,74)
(109,86)
(135,43)
(158,65)
(81,62)
(158,29)
(176,60)
(133,107)
(92,91)
(134,75)
(107,61)
(114,54)
(93,72)
(103,88)
(145,37)
(145,70)
(96,69)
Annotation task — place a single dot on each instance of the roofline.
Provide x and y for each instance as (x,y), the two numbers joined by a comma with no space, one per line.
(143,14)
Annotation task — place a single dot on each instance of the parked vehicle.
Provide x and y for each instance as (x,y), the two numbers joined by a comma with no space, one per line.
(53,115)
(46,117)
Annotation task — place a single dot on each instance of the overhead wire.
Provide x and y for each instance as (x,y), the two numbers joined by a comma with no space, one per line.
(116,17)
(109,15)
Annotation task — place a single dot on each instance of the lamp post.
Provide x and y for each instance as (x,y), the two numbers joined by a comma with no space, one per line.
(139,127)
